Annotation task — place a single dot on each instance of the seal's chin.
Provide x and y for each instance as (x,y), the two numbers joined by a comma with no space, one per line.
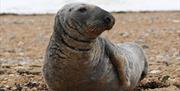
(108,28)
(93,32)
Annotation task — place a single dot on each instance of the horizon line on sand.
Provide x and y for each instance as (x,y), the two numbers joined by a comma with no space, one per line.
(118,12)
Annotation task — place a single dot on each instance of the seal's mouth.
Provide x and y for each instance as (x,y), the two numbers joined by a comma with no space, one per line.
(95,31)
(109,27)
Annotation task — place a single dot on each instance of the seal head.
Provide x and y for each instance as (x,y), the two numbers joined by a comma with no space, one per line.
(89,20)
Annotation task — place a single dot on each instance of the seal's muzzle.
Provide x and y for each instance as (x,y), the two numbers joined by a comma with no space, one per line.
(108,21)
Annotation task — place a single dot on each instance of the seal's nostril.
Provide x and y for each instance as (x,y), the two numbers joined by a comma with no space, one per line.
(107,20)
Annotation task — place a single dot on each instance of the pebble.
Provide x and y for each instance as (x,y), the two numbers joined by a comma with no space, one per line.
(155,71)
(124,34)
(34,65)
(145,46)
(12,75)
(5,79)
(176,21)
(2,72)
(21,54)
(178,69)
(20,43)
(178,58)
(4,82)
(25,71)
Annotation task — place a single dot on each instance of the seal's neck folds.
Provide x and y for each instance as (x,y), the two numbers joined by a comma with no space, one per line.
(70,45)
(72,42)
(72,38)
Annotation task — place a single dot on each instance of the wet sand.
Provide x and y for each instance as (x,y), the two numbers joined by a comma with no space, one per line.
(24,38)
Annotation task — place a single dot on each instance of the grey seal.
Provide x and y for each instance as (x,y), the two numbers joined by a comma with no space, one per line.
(77,59)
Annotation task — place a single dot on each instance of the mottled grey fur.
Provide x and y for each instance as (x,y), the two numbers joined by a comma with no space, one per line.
(77,59)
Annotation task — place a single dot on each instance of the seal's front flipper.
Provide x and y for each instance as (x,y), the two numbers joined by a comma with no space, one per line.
(119,64)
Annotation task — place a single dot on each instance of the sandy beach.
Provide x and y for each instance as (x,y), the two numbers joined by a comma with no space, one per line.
(24,38)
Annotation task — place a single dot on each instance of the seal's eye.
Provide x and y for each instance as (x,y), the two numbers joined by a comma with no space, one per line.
(70,9)
(82,9)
